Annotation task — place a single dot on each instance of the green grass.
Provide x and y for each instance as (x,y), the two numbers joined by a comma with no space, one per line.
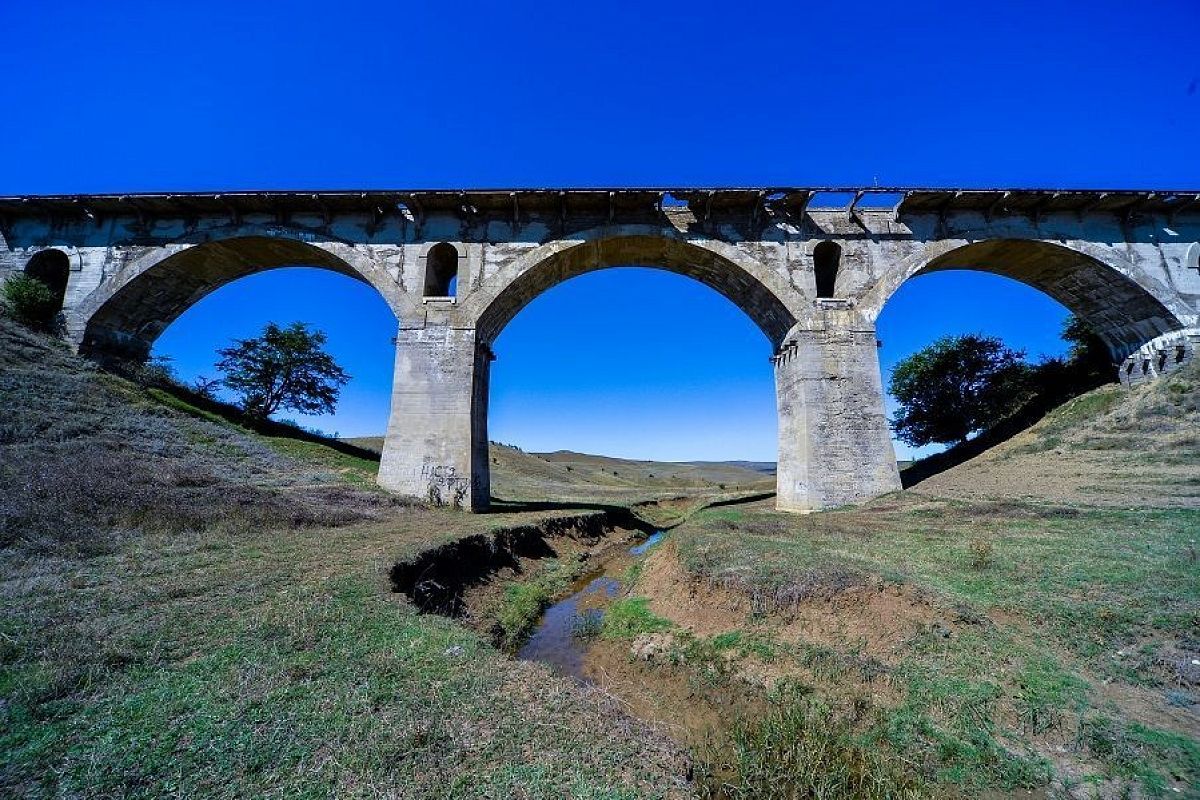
(1073,587)
(523,602)
(218,621)
(1083,409)
(276,664)
(188,609)
(164,398)
(350,468)
(1133,573)
(1144,755)
(802,748)
(630,617)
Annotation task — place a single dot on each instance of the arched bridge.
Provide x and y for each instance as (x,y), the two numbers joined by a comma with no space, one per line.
(812,268)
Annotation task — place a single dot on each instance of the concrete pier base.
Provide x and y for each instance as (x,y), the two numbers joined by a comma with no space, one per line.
(834,444)
(436,447)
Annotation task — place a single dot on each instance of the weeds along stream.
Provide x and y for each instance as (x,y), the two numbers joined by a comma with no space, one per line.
(575,601)
(566,630)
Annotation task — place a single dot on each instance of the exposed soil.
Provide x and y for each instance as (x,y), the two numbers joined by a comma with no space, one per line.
(877,618)
(451,578)
(694,712)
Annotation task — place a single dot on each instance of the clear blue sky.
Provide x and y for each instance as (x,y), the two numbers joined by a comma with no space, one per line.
(122,96)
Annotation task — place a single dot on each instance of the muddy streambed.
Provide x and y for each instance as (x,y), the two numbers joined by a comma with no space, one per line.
(572,639)
(604,601)
(470,579)
(568,628)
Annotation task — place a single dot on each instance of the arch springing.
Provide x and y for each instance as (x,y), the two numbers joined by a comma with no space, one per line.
(827,257)
(441,270)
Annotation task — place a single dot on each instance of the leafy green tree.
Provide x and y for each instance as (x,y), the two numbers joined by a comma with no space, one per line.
(284,368)
(1088,354)
(956,386)
(30,301)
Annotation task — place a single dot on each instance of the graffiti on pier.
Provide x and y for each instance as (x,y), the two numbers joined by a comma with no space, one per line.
(446,485)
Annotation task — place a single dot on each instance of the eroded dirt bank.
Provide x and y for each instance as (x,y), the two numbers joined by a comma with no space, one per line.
(468,578)
(741,624)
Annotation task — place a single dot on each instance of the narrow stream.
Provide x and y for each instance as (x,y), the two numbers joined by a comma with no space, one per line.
(557,641)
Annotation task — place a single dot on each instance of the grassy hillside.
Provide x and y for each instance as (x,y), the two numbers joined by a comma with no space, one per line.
(1029,618)
(191,609)
(1111,447)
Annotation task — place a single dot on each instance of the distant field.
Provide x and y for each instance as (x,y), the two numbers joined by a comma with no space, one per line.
(517,475)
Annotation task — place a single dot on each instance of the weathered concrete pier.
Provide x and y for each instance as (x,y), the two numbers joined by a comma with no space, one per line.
(813,268)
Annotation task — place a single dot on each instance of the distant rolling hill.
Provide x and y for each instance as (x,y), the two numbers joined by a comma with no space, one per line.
(520,475)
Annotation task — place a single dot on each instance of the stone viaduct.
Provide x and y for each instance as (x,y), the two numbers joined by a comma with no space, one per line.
(813,269)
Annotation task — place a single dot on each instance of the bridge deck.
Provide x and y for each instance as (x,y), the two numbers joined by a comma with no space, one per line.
(611,201)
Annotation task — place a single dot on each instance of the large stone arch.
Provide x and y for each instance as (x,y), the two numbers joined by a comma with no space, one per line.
(437,435)
(1121,302)
(750,283)
(131,308)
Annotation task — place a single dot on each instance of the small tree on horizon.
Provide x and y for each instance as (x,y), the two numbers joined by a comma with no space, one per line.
(284,368)
(956,386)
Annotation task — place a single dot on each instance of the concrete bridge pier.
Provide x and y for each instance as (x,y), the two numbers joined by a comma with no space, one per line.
(834,443)
(436,447)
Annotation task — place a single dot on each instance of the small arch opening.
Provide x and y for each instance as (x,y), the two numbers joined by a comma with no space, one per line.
(51,267)
(826,259)
(441,271)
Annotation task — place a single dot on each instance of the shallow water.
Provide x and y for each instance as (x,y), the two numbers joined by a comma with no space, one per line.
(555,641)
(653,539)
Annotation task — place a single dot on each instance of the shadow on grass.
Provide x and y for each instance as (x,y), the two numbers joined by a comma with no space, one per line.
(737,501)
(618,515)
(1029,414)
(191,402)
(623,515)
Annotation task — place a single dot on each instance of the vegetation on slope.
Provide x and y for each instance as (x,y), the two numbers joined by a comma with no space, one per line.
(991,644)
(1111,446)
(189,608)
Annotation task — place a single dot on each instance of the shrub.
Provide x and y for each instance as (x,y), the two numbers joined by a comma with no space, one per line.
(957,386)
(588,624)
(30,301)
(981,554)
